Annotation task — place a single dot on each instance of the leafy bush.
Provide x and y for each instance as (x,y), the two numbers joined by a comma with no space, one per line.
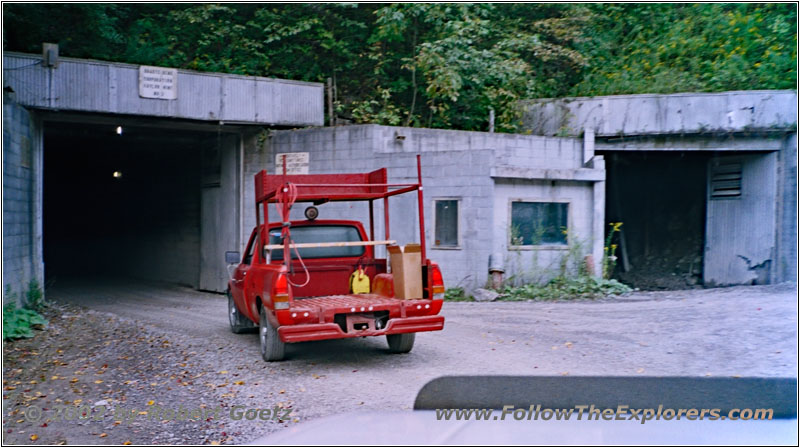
(457,295)
(20,322)
(34,297)
(563,288)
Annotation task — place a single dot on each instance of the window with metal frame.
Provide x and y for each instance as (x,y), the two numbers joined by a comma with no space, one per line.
(538,223)
(446,223)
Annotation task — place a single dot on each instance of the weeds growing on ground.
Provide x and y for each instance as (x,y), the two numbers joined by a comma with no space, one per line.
(563,288)
(457,295)
(20,322)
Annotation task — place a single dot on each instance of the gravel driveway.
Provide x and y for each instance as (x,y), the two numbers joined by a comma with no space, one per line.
(746,331)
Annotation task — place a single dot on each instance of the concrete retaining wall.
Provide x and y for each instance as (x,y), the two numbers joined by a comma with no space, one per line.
(19,262)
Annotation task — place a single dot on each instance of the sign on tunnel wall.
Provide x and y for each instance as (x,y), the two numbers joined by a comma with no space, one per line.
(296,162)
(158,82)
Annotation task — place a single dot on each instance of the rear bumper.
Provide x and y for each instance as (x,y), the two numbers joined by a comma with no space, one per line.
(318,332)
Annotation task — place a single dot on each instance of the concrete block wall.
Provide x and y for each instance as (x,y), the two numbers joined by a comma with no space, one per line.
(18,198)
(787,211)
(455,164)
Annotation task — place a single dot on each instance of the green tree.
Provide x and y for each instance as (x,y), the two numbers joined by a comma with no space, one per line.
(667,48)
(437,65)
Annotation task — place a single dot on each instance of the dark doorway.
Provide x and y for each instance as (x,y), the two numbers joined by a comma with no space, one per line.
(660,197)
(122,202)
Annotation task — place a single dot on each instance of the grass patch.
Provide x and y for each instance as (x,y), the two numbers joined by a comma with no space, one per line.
(562,288)
(457,295)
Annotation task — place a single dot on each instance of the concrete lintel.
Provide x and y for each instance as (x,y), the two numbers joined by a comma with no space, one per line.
(692,143)
(83,85)
(675,114)
(579,174)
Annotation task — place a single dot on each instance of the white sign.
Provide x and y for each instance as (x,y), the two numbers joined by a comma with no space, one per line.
(296,163)
(158,82)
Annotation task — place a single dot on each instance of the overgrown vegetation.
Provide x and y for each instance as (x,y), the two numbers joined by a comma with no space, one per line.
(564,288)
(569,280)
(457,295)
(437,65)
(34,297)
(20,322)
(610,250)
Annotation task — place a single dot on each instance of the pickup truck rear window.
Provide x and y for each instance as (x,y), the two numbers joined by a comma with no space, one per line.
(320,234)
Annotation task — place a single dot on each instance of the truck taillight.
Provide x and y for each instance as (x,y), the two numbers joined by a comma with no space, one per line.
(438,283)
(280,292)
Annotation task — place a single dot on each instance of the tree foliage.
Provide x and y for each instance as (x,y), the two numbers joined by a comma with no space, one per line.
(667,48)
(437,65)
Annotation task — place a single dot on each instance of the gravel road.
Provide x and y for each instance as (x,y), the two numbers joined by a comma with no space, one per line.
(747,331)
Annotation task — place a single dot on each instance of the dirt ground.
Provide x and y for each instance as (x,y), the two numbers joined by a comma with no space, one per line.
(128,349)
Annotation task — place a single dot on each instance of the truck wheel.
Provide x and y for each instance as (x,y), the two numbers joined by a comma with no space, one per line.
(272,348)
(239,323)
(401,343)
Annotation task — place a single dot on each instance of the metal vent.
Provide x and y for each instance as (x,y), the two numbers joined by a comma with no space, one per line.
(726,181)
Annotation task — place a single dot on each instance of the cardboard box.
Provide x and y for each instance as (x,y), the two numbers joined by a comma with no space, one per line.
(406,270)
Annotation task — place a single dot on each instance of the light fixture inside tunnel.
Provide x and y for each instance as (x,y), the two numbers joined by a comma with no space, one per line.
(117,174)
(119,130)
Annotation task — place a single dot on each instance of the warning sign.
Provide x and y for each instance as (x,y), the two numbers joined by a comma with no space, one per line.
(158,82)
(296,163)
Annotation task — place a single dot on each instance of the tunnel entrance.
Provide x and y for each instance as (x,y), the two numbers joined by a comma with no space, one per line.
(125,201)
(660,197)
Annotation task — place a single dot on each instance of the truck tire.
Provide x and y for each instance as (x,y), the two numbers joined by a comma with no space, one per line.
(272,348)
(239,324)
(401,343)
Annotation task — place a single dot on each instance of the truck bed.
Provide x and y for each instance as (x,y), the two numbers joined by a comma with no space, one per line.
(345,302)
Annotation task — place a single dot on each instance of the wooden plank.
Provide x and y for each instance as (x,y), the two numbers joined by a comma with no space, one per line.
(333,244)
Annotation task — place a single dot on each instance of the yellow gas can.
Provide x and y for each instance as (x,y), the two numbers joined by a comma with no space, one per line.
(359,282)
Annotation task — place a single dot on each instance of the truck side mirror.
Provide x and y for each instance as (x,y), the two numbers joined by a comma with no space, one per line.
(232,257)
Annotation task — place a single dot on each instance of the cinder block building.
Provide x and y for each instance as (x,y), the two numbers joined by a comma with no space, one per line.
(532,202)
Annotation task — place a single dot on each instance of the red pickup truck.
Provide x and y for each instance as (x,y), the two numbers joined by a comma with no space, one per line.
(295,281)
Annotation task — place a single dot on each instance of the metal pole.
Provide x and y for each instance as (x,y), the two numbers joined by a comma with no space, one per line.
(331,121)
(287,253)
(371,222)
(421,212)
(386,217)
